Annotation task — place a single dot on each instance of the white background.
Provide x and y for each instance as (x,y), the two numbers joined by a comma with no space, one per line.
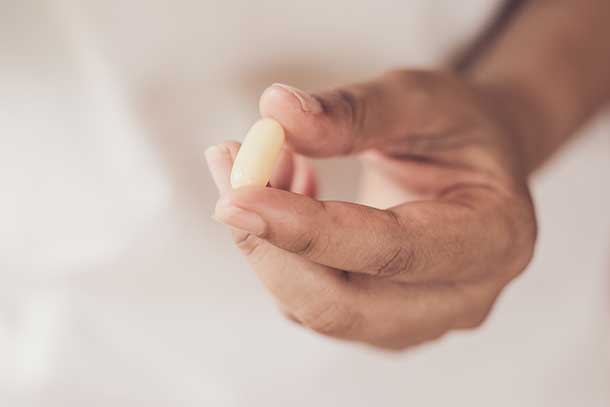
(117,289)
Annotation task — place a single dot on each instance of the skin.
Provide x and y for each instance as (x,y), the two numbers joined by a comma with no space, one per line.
(463,142)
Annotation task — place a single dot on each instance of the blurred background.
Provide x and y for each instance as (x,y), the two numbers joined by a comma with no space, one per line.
(116,287)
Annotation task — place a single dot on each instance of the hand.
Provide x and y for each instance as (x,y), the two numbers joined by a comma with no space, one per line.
(397,277)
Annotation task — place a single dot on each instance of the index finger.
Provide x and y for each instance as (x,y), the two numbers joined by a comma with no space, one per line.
(337,234)
(427,240)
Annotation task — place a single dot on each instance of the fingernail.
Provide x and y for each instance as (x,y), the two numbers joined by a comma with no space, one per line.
(309,104)
(238,218)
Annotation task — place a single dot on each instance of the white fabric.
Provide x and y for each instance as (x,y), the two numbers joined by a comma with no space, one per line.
(116,288)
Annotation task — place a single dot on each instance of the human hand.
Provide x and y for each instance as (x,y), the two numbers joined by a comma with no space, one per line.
(397,277)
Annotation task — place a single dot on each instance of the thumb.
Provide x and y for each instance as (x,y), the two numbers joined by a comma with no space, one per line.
(375,114)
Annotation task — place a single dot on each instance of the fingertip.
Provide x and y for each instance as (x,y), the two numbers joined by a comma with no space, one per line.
(232,147)
(279,97)
(212,154)
(302,117)
(219,164)
(219,159)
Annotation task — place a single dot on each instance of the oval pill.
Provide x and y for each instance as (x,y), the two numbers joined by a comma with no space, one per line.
(259,151)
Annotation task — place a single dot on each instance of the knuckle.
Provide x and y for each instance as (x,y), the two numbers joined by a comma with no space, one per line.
(477,318)
(412,78)
(526,250)
(521,231)
(400,261)
(479,311)
(311,242)
(304,245)
(477,302)
(529,236)
(350,106)
(330,318)
(507,221)
(310,245)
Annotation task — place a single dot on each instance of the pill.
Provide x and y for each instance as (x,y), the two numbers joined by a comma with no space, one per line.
(259,151)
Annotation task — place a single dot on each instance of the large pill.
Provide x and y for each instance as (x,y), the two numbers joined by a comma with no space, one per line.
(258,153)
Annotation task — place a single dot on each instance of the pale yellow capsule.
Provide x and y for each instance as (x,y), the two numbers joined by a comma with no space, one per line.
(258,153)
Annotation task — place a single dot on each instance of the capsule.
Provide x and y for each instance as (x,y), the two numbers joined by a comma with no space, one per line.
(259,151)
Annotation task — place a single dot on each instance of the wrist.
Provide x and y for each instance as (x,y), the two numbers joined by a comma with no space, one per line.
(523,118)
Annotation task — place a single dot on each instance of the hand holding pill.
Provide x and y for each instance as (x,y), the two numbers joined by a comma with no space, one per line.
(392,277)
